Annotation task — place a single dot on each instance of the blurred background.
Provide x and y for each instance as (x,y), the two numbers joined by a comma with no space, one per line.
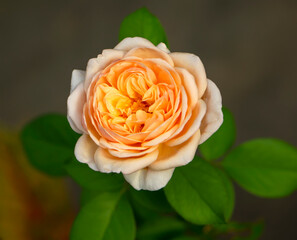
(249,49)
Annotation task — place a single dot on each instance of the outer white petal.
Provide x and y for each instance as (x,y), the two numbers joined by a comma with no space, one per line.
(85,149)
(148,179)
(93,166)
(163,47)
(193,64)
(192,125)
(77,77)
(133,42)
(75,104)
(214,115)
(108,163)
(96,65)
(171,157)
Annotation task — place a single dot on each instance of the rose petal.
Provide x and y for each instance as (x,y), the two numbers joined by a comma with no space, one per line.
(149,53)
(193,64)
(148,179)
(75,104)
(85,149)
(133,42)
(87,122)
(185,104)
(93,166)
(163,47)
(214,115)
(119,146)
(162,138)
(77,77)
(95,65)
(171,157)
(108,163)
(190,86)
(129,154)
(166,68)
(181,126)
(192,125)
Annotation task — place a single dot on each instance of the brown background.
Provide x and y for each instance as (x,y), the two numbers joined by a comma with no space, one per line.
(248,49)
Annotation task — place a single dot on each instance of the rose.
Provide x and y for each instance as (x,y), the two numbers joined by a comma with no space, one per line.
(142,111)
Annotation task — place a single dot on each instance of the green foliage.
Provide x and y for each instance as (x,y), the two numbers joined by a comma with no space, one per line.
(154,201)
(264,167)
(230,193)
(142,23)
(49,142)
(161,228)
(92,180)
(200,193)
(220,142)
(142,213)
(149,206)
(87,195)
(108,216)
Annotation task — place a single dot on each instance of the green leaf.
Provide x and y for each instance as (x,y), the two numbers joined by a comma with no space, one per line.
(200,193)
(142,23)
(143,214)
(151,200)
(230,193)
(148,205)
(92,180)
(49,142)
(264,167)
(108,216)
(87,195)
(160,228)
(222,140)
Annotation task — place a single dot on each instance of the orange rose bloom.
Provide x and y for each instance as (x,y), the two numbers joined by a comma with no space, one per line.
(142,111)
